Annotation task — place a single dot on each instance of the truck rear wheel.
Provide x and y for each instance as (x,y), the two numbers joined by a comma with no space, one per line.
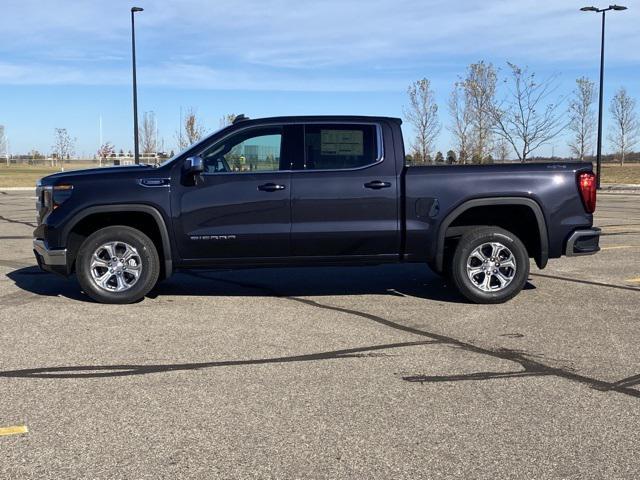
(490,265)
(117,264)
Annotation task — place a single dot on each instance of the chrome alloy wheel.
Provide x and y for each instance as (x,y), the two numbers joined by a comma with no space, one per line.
(491,267)
(115,266)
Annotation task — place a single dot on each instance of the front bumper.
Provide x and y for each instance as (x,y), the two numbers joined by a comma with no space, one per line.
(51,260)
(583,242)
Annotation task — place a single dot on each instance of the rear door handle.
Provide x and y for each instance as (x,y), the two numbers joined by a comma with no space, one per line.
(270,187)
(377,184)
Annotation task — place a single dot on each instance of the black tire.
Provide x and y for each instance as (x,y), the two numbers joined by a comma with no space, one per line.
(475,238)
(148,257)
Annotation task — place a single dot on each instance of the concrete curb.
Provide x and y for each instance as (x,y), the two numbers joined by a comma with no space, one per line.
(620,188)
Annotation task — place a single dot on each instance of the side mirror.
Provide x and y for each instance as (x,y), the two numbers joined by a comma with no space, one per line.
(194,165)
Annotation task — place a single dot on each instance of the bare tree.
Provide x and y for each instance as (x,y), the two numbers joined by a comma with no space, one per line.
(525,118)
(105,151)
(227,120)
(191,130)
(502,149)
(64,145)
(3,145)
(181,139)
(460,127)
(422,113)
(625,131)
(480,90)
(581,117)
(149,134)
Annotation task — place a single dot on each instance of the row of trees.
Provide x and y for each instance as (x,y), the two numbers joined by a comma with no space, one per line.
(527,115)
(191,130)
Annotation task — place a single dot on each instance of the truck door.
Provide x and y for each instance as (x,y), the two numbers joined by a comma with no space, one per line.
(344,193)
(240,208)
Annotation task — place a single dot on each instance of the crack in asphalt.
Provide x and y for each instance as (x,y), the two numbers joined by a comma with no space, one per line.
(21,222)
(529,366)
(585,282)
(97,371)
(620,225)
(611,234)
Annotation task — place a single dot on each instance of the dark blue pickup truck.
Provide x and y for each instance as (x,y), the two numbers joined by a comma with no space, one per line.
(321,190)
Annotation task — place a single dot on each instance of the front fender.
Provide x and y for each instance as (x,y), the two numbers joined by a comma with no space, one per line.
(127,207)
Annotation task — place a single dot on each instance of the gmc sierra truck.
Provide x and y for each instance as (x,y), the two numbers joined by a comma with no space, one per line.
(321,190)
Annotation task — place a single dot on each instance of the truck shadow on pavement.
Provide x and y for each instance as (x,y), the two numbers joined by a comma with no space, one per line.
(34,282)
(527,365)
(397,280)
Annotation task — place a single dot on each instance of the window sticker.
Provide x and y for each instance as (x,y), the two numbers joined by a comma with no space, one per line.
(342,142)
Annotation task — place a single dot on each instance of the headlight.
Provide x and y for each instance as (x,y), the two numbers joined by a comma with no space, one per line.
(61,193)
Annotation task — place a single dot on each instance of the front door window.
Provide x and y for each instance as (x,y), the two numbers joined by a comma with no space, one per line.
(253,151)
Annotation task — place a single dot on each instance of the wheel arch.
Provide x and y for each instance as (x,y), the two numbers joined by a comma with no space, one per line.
(542,255)
(152,212)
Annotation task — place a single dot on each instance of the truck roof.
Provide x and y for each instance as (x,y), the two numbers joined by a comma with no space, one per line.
(320,118)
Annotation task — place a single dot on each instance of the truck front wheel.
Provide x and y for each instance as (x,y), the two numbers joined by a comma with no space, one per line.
(117,264)
(490,265)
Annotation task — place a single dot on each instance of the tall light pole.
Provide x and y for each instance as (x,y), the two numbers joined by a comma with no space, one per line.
(599,151)
(136,151)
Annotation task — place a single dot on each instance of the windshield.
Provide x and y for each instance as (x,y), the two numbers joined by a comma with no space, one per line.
(202,140)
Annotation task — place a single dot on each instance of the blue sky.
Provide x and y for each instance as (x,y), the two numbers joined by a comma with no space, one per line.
(64,63)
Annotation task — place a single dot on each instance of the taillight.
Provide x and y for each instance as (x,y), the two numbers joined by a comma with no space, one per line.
(587,187)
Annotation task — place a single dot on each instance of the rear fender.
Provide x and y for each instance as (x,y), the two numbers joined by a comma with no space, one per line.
(543,257)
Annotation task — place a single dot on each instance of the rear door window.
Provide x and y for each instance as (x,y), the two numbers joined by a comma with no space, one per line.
(340,146)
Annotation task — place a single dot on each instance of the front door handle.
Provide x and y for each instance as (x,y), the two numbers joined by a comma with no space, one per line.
(271,187)
(377,185)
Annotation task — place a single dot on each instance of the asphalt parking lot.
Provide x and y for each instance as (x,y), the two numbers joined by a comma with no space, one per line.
(376,372)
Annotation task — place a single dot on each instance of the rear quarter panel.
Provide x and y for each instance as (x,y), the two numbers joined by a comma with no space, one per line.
(552,186)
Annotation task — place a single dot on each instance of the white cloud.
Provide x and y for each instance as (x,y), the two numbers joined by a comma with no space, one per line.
(288,44)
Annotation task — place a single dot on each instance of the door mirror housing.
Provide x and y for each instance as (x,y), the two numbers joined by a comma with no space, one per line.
(194,165)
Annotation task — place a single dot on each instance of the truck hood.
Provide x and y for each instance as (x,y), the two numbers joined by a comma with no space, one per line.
(94,172)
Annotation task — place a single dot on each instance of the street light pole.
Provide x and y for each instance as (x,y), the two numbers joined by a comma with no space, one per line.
(600,106)
(601,95)
(136,151)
